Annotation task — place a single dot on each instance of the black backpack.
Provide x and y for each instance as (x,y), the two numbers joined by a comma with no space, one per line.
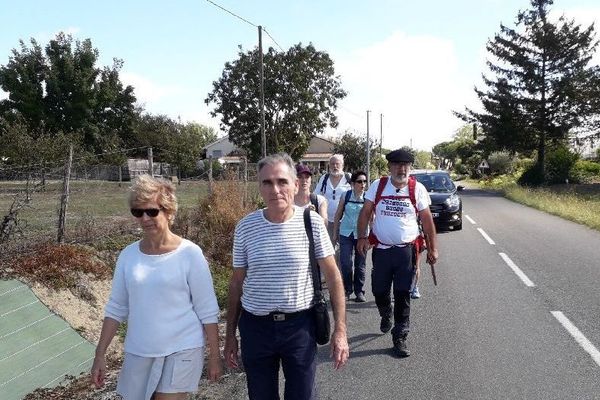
(324,185)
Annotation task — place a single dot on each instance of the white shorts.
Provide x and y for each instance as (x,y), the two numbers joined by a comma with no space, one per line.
(179,372)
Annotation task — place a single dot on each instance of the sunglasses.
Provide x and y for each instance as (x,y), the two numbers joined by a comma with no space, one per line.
(139,212)
(333,194)
(360,181)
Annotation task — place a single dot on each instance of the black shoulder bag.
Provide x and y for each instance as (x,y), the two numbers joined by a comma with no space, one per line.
(323,326)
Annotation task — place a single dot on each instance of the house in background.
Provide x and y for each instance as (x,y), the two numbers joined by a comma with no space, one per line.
(317,155)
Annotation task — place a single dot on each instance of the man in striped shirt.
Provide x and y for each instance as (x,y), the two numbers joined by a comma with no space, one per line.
(271,290)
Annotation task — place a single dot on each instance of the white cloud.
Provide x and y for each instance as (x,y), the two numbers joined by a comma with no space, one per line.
(3,95)
(147,91)
(414,81)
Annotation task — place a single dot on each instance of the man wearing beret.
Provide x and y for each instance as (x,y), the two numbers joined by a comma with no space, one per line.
(394,233)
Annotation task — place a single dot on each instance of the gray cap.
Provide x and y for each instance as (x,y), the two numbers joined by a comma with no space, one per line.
(400,156)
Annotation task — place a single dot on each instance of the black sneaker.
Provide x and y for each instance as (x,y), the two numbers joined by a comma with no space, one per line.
(386,324)
(400,347)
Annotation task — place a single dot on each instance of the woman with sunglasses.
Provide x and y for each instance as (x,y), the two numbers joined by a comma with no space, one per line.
(345,231)
(163,289)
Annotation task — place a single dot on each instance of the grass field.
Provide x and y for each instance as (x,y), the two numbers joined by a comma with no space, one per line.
(90,203)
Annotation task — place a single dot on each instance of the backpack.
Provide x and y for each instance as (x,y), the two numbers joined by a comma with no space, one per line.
(419,242)
(347,199)
(314,201)
(324,184)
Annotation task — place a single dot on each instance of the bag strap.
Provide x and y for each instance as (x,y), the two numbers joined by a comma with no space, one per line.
(382,182)
(314,201)
(314,266)
(324,185)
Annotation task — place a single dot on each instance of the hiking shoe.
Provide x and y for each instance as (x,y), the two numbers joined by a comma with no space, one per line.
(360,298)
(414,293)
(385,325)
(400,348)
(347,296)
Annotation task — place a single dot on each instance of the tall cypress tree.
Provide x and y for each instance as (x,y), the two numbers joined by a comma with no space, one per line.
(543,85)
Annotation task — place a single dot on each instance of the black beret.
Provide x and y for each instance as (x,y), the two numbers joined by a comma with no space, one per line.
(400,156)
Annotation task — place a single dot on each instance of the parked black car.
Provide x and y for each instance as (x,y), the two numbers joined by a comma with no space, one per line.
(446,204)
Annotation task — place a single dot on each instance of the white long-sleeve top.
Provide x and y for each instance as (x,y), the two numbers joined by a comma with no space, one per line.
(165,299)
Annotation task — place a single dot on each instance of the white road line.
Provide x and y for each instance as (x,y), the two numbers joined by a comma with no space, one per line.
(34,344)
(578,336)
(69,370)
(19,308)
(40,364)
(471,220)
(486,237)
(13,290)
(25,327)
(517,270)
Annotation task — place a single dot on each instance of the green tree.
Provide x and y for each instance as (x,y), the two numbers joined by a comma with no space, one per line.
(60,90)
(543,85)
(184,147)
(301,93)
(353,146)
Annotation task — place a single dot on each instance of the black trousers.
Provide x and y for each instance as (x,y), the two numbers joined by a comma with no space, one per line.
(393,266)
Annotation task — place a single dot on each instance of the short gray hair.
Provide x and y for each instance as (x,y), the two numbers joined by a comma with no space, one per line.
(278,158)
(339,157)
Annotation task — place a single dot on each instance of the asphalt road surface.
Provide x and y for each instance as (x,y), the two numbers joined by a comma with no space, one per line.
(515,315)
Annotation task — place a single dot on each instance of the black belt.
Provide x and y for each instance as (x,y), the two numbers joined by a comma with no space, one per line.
(277,316)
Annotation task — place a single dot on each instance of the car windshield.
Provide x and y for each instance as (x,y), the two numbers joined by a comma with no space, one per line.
(439,183)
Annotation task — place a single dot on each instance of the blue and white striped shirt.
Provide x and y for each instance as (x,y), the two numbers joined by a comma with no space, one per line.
(275,255)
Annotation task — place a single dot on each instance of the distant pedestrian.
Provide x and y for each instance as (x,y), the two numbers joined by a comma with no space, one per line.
(271,292)
(332,185)
(345,232)
(395,234)
(163,289)
(304,198)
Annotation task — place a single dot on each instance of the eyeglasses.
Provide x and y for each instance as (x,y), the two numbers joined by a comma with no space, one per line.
(139,212)
(361,181)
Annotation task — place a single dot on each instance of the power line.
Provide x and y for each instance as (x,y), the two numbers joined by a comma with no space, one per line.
(246,21)
(274,41)
(232,13)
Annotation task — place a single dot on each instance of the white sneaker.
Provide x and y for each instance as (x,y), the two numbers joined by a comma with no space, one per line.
(414,293)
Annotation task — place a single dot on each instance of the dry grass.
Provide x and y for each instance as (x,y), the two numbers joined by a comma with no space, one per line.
(568,204)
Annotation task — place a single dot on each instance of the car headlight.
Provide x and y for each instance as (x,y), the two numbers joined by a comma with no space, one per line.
(453,202)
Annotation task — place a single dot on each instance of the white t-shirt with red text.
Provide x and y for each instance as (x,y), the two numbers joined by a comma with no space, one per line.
(395,217)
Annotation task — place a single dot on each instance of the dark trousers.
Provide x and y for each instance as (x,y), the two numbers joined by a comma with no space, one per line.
(354,278)
(393,266)
(266,344)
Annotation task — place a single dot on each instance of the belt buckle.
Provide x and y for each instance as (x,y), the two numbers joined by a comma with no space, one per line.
(279,317)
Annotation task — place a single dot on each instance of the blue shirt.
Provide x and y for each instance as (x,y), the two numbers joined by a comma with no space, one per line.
(348,224)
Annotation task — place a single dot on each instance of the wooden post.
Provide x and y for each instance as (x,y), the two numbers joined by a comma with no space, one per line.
(120,175)
(150,162)
(245,200)
(210,175)
(64,200)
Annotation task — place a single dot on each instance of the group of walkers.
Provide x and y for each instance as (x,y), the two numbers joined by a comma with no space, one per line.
(162,287)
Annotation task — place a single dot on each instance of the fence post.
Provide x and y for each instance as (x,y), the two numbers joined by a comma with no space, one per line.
(210,175)
(245,202)
(64,200)
(120,175)
(150,162)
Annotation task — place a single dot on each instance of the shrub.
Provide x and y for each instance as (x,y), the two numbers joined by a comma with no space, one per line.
(60,266)
(500,162)
(585,171)
(559,162)
(532,176)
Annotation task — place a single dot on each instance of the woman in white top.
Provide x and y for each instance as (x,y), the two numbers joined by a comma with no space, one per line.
(302,198)
(163,288)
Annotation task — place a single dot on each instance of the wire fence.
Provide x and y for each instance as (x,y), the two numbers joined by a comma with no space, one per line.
(32,197)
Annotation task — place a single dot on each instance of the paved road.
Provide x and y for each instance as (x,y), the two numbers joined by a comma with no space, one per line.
(483,333)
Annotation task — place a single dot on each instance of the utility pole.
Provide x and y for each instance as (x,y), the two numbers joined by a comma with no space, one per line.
(262,94)
(368,152)
(380,134)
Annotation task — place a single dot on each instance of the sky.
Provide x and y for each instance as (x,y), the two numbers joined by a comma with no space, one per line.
(409,63)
